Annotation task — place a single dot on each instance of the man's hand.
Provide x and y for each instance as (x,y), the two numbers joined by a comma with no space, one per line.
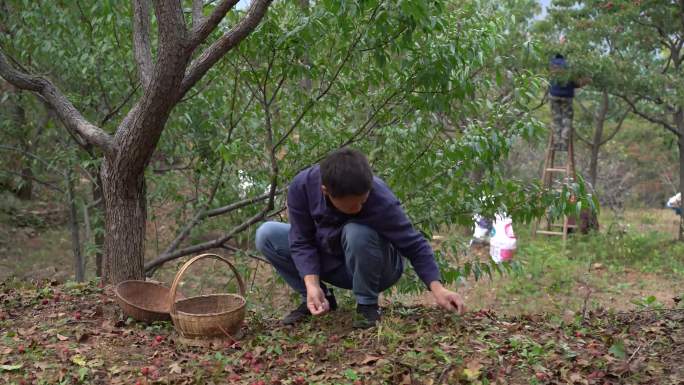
(447,298)
(315,297)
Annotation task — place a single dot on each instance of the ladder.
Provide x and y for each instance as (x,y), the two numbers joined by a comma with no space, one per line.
(551,169)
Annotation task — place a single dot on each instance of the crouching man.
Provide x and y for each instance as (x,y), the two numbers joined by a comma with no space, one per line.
(347,229)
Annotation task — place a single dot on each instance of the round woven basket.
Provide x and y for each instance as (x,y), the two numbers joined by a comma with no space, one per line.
(208,316)
(144,301)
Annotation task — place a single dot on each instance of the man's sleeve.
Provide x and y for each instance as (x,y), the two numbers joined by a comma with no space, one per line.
(397,228)
(302,233)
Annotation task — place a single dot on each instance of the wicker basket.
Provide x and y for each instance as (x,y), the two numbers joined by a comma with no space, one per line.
(213,316)
(144,301)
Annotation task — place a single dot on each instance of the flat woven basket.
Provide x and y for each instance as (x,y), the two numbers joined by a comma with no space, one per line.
(143,300)
(213,316)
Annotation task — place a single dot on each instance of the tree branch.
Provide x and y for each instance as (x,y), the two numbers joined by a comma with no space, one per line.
(583,139)
(197,14)
(325,90)
(197,218)
(33,156)
(650,118)
(33,178)
(141,41)
(67,113)
(617,128)
(240,204)
(213,244)
(119,107)
(201,28)
(199,67)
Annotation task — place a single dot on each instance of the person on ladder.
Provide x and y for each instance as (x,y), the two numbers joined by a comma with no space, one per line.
(562,91)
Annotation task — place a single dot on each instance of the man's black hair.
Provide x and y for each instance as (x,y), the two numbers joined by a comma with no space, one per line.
(559,56)
(346,172)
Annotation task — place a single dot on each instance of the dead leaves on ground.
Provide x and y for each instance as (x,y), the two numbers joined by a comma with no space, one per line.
(76,335)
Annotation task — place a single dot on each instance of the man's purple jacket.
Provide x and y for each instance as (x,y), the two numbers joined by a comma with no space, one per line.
(315,234)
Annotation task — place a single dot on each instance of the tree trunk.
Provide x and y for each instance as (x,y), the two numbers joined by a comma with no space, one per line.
(125,215)
(599,121)
(678,118)
(73,224)
(96,190)
(25,191)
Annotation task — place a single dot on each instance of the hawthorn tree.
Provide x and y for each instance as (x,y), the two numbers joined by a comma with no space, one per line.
(432,91)
(180,62)
(642,45)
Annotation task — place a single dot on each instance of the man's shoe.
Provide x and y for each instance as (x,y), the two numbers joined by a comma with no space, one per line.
(367,316)
(302,312)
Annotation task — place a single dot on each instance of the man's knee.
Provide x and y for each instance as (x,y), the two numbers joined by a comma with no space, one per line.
(356,237)
(265,234)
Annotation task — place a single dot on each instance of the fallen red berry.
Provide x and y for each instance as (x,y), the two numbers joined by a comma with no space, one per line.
(77,316)
(21,349)
(45,302)
(145,371)
(159,338)
(299,380)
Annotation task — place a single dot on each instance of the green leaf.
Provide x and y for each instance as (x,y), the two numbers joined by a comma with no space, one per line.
(618,349)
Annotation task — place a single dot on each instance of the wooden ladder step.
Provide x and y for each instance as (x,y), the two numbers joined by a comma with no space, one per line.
(549,232)
(556,169)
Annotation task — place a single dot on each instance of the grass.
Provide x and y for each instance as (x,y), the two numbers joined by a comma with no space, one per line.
(613,268)
(632,258)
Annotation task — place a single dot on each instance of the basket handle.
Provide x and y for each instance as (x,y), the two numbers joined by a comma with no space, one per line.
(184,268)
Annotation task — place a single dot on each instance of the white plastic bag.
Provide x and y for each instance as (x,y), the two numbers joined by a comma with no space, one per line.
(675,201)
(503,243)
(481,229)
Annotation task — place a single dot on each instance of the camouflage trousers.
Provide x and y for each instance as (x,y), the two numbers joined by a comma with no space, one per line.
(561,121)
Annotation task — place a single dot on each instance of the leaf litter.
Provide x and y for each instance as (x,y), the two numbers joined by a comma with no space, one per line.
(83,338)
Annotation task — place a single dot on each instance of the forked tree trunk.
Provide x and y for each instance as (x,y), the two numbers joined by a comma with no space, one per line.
(125,215)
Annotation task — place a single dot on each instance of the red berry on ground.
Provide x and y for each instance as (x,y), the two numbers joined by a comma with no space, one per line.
(45,302)
(77,316)
(159,338)
(299,380)
(145,371)
(21,349)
